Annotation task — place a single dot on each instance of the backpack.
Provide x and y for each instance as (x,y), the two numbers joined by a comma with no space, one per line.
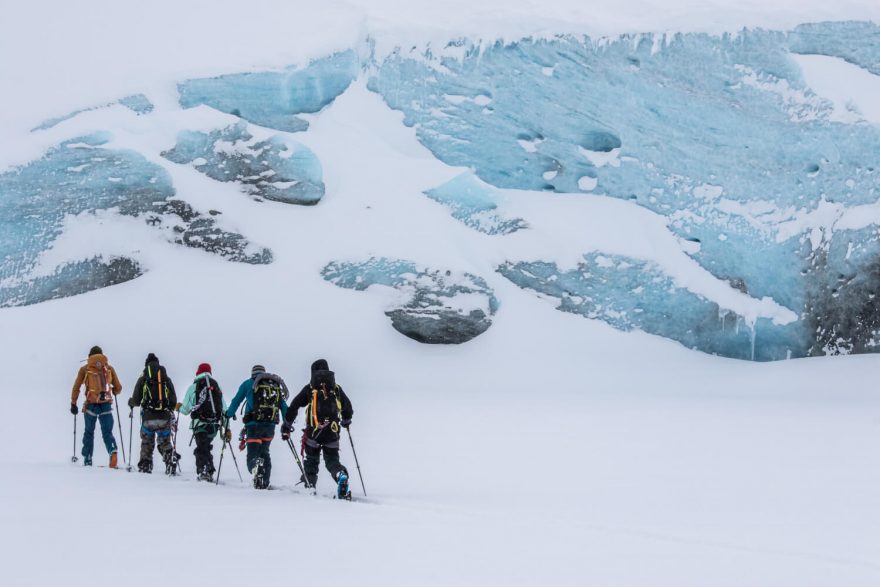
(98,379)
(155,395)
(208,405)
(269,392)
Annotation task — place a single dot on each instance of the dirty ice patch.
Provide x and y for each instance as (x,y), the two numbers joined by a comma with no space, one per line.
(430,305)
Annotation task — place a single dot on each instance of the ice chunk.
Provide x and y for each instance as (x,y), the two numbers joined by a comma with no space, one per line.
(274,98)
(137,103)
(473,202)
(276,169)
(432,306)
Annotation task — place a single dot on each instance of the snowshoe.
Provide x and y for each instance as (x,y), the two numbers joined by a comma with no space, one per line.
(260,480)
(171,464)
(342,490)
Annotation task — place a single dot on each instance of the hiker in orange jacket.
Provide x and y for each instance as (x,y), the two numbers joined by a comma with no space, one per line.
(101,385)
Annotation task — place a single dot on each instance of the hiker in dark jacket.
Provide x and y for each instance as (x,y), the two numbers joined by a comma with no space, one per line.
(265,403)
(327,409)
(204,402)
(154,393)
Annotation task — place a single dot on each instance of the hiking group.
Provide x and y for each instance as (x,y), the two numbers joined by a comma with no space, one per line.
(263,398)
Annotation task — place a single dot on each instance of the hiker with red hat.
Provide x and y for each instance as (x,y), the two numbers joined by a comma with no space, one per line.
(205,405)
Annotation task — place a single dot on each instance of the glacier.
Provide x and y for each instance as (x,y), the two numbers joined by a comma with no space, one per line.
(277,168)
(695,127)
(432,306)
(718,134)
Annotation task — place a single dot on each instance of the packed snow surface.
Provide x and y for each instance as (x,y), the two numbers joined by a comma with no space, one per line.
(575,193)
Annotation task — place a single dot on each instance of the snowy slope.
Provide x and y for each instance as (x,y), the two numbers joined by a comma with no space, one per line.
(548,450)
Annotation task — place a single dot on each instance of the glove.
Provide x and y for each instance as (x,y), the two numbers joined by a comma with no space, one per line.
(345,423)
(131,403)
(73,409)
(231,417)
(285,431)
(228,435)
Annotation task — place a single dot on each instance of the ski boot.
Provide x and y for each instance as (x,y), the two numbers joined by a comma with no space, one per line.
(145,467)
(113,460)
(87,461)
(206,474)
(342,490)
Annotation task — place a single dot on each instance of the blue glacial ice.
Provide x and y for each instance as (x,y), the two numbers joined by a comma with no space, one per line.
(719,134)
(435,306)
(853,41)
(633,294)
(277,169)
(137,103)
(83,175)
(475,203)
(274,98)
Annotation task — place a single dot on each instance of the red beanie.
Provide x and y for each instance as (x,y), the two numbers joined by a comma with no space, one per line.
(203,368)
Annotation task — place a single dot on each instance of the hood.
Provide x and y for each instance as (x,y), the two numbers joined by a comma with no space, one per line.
(320,365)
(324,376)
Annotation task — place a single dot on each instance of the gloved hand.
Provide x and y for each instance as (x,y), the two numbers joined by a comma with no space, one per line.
(231,417)
(345,422)
(131,403)
(73,409)
(228,435)
(285,431)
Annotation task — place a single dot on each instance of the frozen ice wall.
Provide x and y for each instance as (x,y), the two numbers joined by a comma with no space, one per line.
(719,134)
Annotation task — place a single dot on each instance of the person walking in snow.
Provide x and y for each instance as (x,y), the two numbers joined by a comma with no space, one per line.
(327,409)
(204,403)
(101,385)
(265,398)
(154,393)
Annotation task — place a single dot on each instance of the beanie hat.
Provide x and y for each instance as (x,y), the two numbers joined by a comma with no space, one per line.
(320,365)
(95,350)
(257,369)
(203,368)
(151,358)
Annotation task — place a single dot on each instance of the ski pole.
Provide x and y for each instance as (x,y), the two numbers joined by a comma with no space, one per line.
(74,458)
(130,427)
(119,421)
(354,452)
(299,464)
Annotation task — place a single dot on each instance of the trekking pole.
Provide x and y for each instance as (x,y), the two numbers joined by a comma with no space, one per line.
(354,452)
(121,437)
(74,458)
(130,427)
(234,460)
(220,464)
(174,444)
(299,464)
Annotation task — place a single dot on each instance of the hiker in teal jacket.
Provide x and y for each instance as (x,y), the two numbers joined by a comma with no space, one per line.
(205,405)
(265,403)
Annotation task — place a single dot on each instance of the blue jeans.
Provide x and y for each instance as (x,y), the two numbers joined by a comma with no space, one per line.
(95,413)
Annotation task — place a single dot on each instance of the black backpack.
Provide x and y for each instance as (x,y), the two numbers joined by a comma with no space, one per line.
(208,404)
(155,389)
(269,392)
